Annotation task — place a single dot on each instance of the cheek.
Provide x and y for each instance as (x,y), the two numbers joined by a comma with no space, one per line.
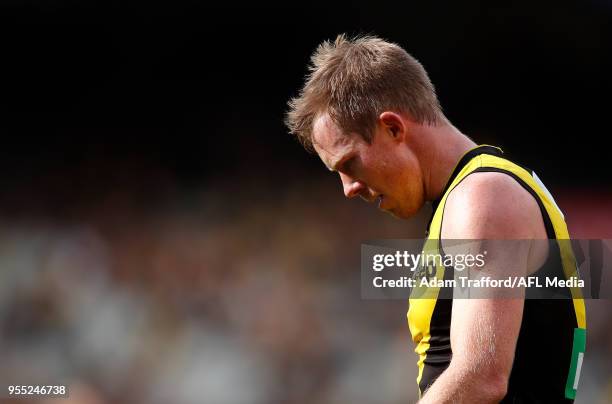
(391,179)
(372,169)
(410,185)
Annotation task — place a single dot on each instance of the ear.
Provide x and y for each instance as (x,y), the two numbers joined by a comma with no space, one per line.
(394,125)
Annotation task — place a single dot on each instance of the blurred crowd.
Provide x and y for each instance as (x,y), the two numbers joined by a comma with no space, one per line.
(221,295)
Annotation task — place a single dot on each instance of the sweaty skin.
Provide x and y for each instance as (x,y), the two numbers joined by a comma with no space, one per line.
(406,164)
(484,331)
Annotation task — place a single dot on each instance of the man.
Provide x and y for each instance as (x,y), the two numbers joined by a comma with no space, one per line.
(370,112)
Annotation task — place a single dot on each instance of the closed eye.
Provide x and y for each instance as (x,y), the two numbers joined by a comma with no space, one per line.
(347,166)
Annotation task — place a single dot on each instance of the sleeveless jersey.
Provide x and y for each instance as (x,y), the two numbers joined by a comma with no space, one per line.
(551,341)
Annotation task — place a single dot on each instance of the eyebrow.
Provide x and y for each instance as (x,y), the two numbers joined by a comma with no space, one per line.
(332,165)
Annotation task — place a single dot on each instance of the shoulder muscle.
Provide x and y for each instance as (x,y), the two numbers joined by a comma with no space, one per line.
(491,205)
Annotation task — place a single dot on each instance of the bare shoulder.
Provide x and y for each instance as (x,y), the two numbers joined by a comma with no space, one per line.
(492,205)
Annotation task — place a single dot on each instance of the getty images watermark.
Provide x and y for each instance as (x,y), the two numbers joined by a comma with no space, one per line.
(450,269)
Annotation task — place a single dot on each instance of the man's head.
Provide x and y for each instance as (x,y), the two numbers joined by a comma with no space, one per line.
(358,108)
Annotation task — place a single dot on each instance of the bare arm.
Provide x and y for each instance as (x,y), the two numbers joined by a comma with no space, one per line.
(484,331)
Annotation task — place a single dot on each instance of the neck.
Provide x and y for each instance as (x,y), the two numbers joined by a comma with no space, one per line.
(443,147)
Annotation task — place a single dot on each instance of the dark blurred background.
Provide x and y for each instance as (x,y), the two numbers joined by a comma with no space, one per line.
(159,228)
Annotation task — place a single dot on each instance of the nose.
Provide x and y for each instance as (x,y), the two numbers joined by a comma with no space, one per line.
(351,187)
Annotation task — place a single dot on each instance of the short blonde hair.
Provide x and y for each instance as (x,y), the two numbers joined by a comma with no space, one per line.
(354,80)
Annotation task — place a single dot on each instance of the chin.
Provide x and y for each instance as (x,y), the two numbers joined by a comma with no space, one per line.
(397,213)
(404,212)
(401,215)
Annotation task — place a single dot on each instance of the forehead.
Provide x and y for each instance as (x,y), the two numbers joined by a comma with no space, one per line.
(329,142)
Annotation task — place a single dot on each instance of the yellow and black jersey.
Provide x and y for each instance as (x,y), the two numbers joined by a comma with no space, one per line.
(551,341)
